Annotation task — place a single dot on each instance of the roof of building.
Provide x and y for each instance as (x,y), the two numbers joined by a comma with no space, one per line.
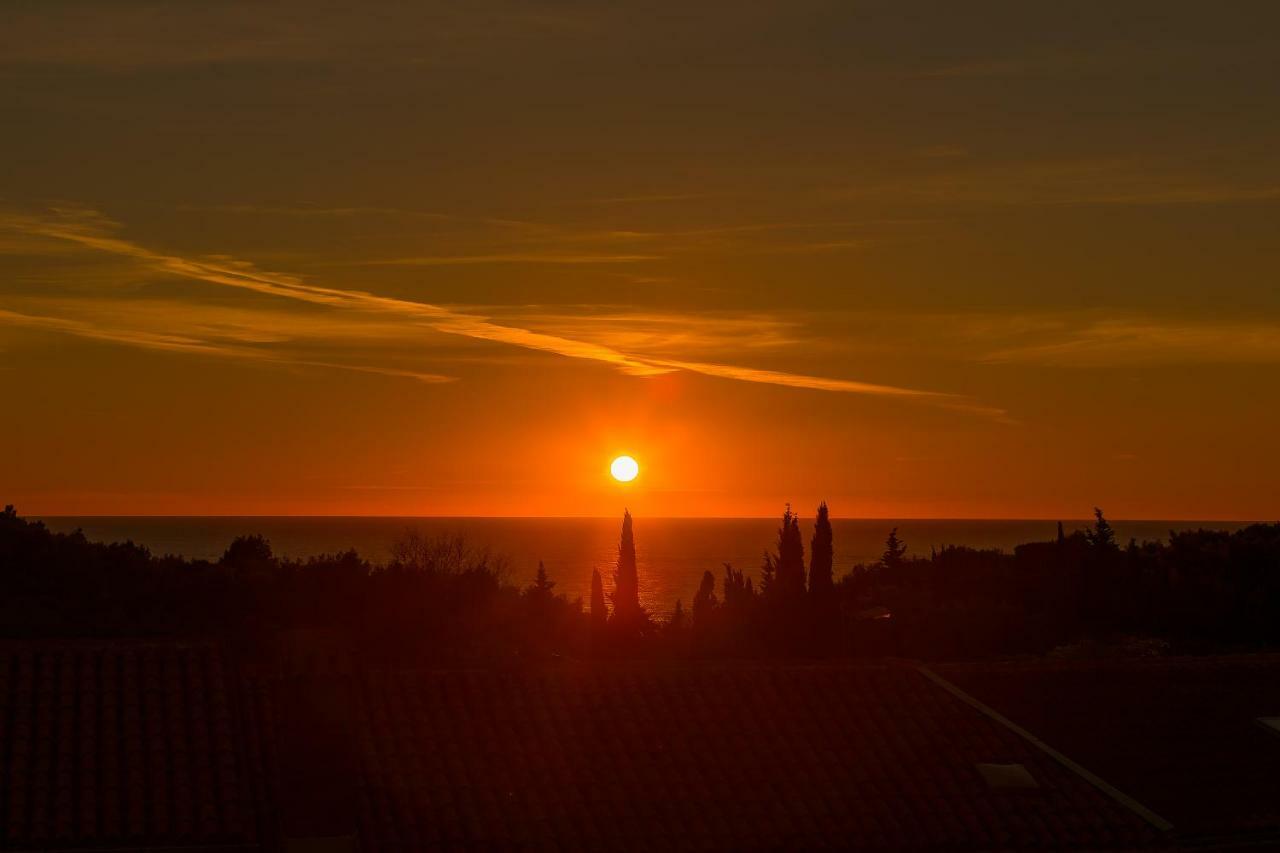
(1181,735)
(119,744)
(717,757)
(149,745)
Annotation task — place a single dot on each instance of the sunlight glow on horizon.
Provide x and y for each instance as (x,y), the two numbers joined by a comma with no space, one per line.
(929,315)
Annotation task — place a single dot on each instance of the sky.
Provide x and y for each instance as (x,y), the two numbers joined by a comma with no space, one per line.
(915,259)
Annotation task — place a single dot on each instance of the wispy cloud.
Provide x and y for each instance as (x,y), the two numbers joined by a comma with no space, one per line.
(146,340)
(1190,194)
(846,386)
(653,198)
(195,345)
(90,230)
(813,248)
(511,258)
(656,333)
(85,229)
(1063,182)
(744,229)
(310,210)
(793,380)
(1147,342)
(321,211)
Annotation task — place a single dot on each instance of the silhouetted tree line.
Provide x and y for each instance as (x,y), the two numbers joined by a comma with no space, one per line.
(435,599)
(443,599)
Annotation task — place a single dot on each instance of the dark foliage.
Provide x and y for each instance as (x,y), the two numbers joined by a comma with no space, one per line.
(436,599)
(629,621)
(599,610)
(821,556)
(442,599)
(782,575)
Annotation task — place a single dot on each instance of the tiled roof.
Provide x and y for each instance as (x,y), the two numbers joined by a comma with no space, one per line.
(1180,734)
(140,745)
(115,744)
(714,758)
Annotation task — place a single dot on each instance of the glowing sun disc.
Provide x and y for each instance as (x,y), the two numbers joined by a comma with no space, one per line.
(624,469)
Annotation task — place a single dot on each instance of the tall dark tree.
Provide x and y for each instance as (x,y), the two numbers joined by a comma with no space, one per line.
(895,551)
(628,617)
(1101,536)
(782,575)
(1101,577)
(821,556)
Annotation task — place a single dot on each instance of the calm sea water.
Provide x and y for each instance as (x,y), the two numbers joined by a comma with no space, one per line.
(672,552)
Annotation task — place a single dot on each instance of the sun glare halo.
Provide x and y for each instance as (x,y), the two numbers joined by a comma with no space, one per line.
(624,469)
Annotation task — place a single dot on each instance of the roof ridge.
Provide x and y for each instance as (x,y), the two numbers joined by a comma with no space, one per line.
(1084,773)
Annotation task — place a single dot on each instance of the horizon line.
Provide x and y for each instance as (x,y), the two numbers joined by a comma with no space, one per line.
(220,516)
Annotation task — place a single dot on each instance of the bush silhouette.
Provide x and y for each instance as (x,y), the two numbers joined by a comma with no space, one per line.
(445,599)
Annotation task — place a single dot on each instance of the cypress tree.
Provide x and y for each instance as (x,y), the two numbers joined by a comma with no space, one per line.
(786,620)
(782,573)
(788,567)
(821,556)
(628,616)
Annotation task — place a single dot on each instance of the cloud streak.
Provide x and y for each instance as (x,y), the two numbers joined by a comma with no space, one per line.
(86,230)
(511,258)
(845,386)
(187,344)
(1149,342)
(91,231)
(795,380)
(657,334)
(1116,182)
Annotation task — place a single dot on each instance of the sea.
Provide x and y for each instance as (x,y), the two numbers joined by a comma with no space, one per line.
(671,553)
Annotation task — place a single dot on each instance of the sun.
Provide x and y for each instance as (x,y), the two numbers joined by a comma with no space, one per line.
(624,469)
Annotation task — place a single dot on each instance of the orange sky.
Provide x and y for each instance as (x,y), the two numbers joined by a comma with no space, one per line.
(1005,261)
